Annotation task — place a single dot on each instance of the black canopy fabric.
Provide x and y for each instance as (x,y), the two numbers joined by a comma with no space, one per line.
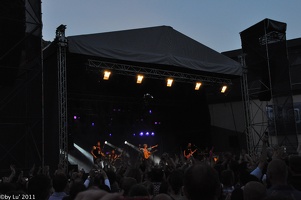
(160,45)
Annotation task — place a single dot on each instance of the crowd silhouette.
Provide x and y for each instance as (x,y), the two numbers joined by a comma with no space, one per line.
(271,175)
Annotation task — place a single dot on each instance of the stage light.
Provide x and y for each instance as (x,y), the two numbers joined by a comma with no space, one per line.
(74,117)
(106,142)
(83,151)
(139,78)
(106,75)
(153,134)
(93,124)
(147,133)
(169,82)
(141,134)
(197,85)
(224,89)
(125,142)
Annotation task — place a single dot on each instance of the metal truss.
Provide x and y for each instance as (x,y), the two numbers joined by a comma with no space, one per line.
(246,103)
(62,96)
(29,72)
(255,131)
(153,73)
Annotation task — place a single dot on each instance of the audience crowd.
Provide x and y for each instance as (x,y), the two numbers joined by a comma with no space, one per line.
(272,175)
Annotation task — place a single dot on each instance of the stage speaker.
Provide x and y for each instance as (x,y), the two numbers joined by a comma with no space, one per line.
(12,23)
(261,44)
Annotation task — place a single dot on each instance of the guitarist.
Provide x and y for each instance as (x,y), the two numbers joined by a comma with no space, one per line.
(146,153)
(188,152)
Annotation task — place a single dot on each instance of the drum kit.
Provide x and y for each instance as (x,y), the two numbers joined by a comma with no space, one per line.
(109,163)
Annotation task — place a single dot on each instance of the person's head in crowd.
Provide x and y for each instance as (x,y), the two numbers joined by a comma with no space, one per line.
(99,182)
(237,194)
(254,190)
(295,164)
(277,172)
(156,174)
(139,191)
(59,182)
(149,186)
(76,188)
(227,178)
(201,181)
(278,197)
(39,186)
(245,177)
(175,181)
(295,171)
(135,173)
(126,184)
(93,194)
(6,187)
(113,180)
(163,187)
(162,196)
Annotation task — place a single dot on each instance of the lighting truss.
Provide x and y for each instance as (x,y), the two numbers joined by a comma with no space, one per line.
(62,95)
(131,70)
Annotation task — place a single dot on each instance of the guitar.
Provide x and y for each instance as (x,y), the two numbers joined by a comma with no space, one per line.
(190,154)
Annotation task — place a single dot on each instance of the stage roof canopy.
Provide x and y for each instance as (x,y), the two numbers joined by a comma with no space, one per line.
(161,45)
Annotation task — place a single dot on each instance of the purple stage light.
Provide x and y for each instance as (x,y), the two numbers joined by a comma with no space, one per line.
(74,117)
(141,134)
(147,133)
(92,124)
(110,134)
(150,111)
(153,134)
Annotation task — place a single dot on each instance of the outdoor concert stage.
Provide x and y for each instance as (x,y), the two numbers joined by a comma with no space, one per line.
(119,109)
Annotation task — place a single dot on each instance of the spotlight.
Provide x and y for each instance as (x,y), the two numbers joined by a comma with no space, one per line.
(147,133)
(153,134)
(141,134)
(74,117)
(125,142)
(106,75)
(224,88)
(169,82)
(197,85)
(139,78)
(106,142)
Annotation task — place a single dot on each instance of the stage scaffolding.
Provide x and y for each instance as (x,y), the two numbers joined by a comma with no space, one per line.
(253,109)
(62,96)
(21,118)
(266,87)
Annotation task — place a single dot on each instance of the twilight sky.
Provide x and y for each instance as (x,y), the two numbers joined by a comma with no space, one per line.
(214,23)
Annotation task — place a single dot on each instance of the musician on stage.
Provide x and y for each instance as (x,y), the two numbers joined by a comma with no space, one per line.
(113,156)
(188,152)
(147,151)
(97,153)
(146,154)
